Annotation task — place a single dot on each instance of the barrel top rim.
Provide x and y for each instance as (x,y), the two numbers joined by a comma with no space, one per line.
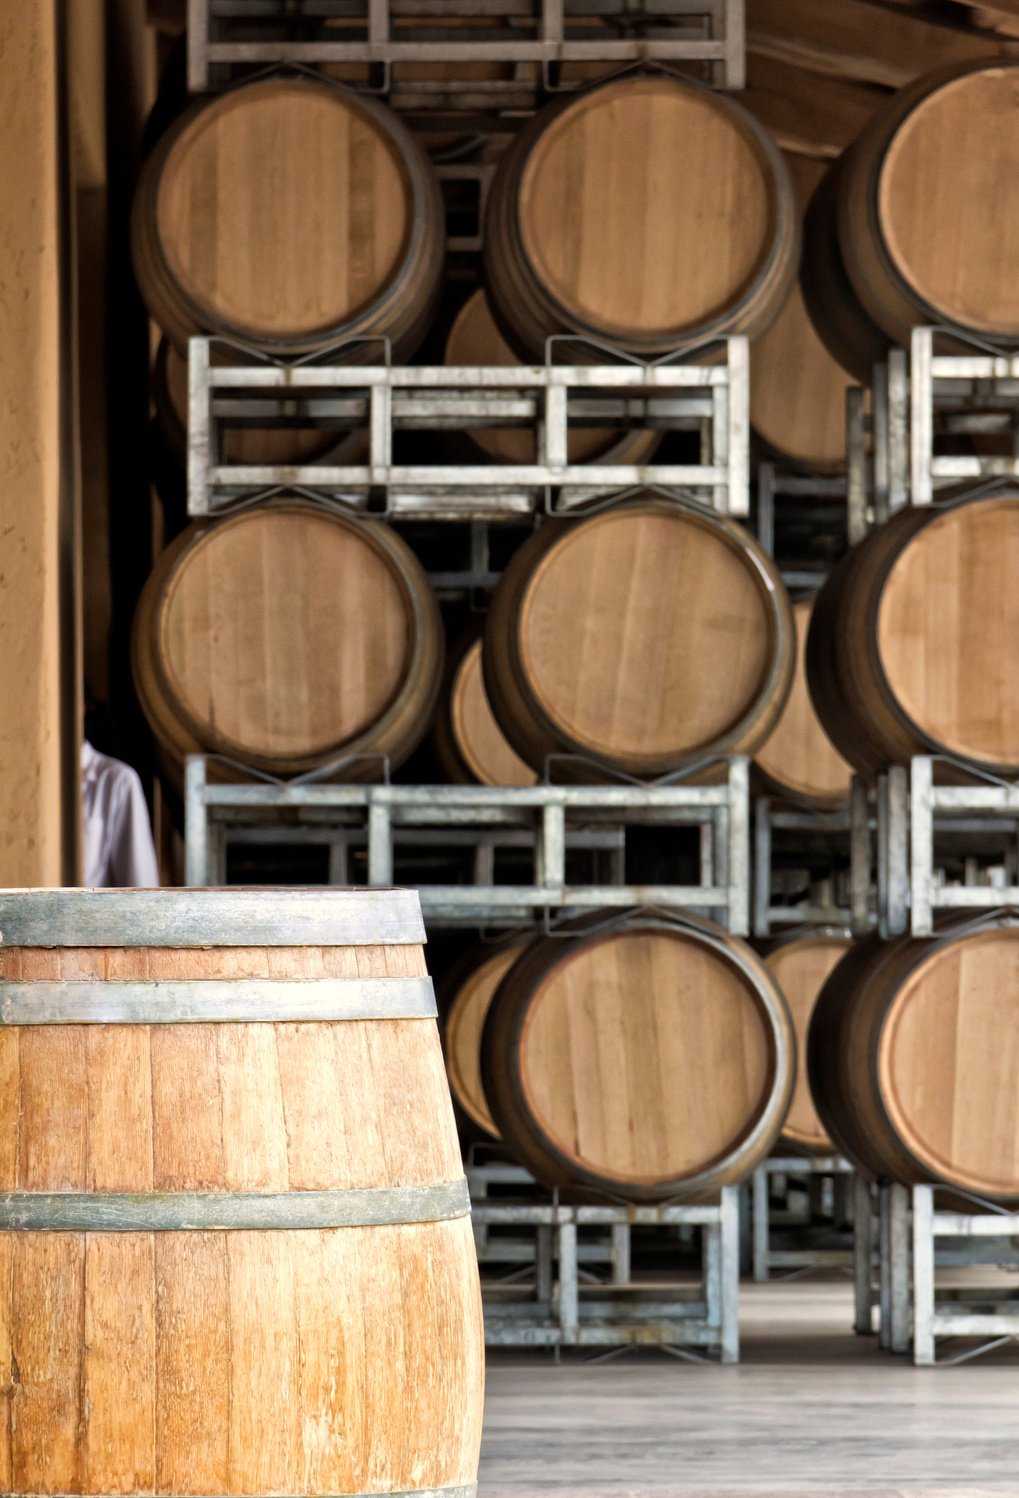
(186,918)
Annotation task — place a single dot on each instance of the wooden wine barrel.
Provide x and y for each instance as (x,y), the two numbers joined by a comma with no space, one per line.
(800,965)
(475,339)
(467,993)
(468,741)
(797,389)
(613,216)
(237,1255)
(652,1060)
(927,230)
(851,337)
(647,638)
(289,213)
(286,636)
(911,647)
(912,1057)
(254,444)
(798,761)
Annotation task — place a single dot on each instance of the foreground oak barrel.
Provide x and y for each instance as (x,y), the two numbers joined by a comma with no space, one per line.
(647,638)
(467,991)
(648,1061)
(912,641)
(801,964)
(234,1230)
(614,216)
(913,231)
(289,213)
(468,741)
(913,1058)
(286,636)
(474,339)
(798,761)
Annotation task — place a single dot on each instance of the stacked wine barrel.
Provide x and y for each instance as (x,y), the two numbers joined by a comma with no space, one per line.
(641,637)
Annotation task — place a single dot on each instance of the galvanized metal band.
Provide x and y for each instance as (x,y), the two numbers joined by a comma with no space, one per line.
(186,918)
(241,1211)
(215,1001)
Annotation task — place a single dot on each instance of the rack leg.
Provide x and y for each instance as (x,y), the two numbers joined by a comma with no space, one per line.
(569,1298)
(923,1275)
(863,1257)
(621,1253)
(730,1274)
(759,1216)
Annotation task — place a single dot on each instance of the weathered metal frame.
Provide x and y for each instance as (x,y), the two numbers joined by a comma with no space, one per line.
(545,811)
(777,482)
(918,1237)
(794,1261)
(555,1314)
(212,54)
(911,812)
(773,815)
(524,1246)
(382,399)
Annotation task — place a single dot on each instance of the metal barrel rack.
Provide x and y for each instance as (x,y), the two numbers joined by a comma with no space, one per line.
(926,1231)
(799,1192)
(230,38)
(377,817)
(381,402)
(559,1306)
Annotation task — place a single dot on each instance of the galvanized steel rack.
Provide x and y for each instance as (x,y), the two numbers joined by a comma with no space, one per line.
(915,819)
(558,1307)
(825,1185)
(944,417)
(549,401)
(928,1228)
(796,894)
(547,820)
(229,38)
(821,502)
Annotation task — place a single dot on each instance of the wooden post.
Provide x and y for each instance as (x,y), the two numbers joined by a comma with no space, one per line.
(38,843)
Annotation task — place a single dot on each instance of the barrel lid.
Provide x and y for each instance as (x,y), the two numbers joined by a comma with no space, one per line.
(210,917)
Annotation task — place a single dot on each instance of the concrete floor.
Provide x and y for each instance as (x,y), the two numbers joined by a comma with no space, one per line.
(810,1409)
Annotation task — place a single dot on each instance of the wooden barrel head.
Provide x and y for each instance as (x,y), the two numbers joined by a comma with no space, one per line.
(481,743)
(465,1022)
(644,634)
(948,217)
(797,389)
(285,636)
(947,627)
(801,967)
(628,208)
(645,1061)
(475,338)
(948,1062)
(799,759)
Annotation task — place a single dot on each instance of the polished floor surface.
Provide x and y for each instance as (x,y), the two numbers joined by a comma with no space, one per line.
(810,1409)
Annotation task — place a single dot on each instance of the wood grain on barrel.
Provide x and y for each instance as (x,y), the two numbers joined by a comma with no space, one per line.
(286,632)
(647,1061)
(797,389)
(949,1062)
(286,635)
(480,741)
(474,338)
(465,1021)
(947,630)
(610,1035)
(798,759)
(289,1362)
(947,211)
(284,209)
(801,967)
(643,634)
(656,248)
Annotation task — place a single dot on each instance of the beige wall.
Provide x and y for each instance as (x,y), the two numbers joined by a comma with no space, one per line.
(33,666)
